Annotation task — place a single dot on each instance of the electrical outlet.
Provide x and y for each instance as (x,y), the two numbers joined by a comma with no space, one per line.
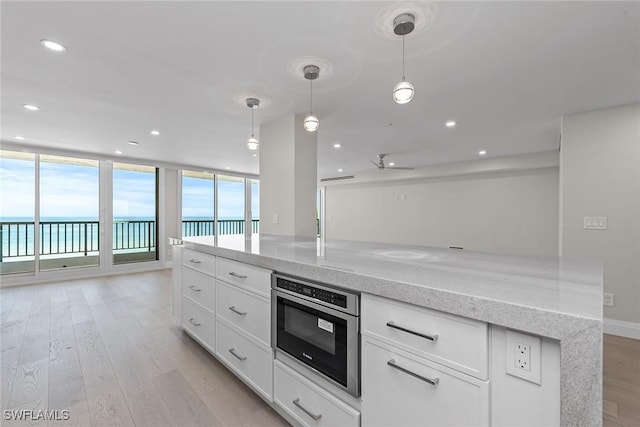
(523,356)
(607,300)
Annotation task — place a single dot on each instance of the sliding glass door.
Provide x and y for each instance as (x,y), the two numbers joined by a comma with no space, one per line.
(17,212)
(135,213)
(198,196)
(231,205)
(69,212)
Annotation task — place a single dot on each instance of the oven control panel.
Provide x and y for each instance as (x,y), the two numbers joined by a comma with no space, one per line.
(326,296)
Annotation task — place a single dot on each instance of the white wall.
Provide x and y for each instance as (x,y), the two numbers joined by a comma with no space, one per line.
(288,174)
(510,210)
(600,176)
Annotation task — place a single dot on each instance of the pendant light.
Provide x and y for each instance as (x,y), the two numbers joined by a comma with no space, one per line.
(252,143)
(311,122)
(403,25)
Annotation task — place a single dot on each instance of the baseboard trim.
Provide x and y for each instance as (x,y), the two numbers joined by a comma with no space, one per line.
(622,328)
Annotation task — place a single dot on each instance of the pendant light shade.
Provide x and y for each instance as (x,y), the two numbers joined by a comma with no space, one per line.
(403,25)
(403,92)
(311,122)
(252,142)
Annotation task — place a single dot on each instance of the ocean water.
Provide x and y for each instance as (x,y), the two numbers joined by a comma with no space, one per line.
(82,234)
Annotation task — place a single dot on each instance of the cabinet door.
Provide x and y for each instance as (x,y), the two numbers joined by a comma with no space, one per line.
(402,389)
(249,312)
(252,278)
(199,323)
(250,361)
(199,287)
(308,403)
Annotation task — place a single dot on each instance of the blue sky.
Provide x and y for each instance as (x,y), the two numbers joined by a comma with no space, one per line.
(197,198)
(73,191)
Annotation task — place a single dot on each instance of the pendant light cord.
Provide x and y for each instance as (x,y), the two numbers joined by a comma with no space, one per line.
(251,122)
(310,96)
(403,78)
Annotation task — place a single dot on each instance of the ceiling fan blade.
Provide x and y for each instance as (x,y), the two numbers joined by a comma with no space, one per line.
(400,168)
(377,165)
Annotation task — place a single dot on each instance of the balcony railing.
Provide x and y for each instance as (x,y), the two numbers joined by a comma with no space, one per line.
(225,226)
(83,237)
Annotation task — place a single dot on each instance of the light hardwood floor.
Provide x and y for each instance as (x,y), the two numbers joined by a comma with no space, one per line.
(108,350)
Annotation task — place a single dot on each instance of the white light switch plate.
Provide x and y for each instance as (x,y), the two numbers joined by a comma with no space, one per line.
(595,222)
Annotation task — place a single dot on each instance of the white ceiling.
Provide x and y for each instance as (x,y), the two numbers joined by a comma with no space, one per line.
(506,71)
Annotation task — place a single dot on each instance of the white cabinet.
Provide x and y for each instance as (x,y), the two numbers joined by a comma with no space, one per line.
(309,404)
(199,322)
(251,361)
(197,286)
(254,279)
(243,323)
(202,262)
(249,312)
(454,341)
(422,367)
(402,389)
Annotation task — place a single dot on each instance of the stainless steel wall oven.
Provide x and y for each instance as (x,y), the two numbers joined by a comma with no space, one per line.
(318,325)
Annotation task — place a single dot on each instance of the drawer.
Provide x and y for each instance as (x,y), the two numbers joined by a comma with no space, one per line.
(199,288)
(456,399)
(198,261)
(245,310)
(247,276)
(199,323)
(308,403)
(461,343)
(250,361)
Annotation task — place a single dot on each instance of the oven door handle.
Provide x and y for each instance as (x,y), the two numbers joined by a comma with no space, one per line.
(315,417)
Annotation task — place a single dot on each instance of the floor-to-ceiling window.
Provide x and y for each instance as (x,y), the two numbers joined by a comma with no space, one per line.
(198,210)
(135,212)
(231,204)
(17,212)
(255,205)
(69,212)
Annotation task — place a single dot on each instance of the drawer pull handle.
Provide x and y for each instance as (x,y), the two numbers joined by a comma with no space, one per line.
(239,276)
(432,381)
(194,289)
(195,261)
(315,417)
(194,322)
(233,351)
(238,312)
(392,324)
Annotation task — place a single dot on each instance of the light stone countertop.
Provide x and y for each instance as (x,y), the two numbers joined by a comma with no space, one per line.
(548,296)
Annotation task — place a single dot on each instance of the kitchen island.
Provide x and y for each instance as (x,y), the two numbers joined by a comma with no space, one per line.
(549,297)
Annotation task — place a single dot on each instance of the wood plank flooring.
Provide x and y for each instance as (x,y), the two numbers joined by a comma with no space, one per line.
(108,350)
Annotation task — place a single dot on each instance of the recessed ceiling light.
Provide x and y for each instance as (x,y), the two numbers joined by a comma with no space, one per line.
(392,164)
(450,123)
(19,137)
(118,152)
(31,107)
(339,170)
(227,167)
(50,44)
(337,145)
(482,152)
(133,143)
(155,132)
(255,155)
